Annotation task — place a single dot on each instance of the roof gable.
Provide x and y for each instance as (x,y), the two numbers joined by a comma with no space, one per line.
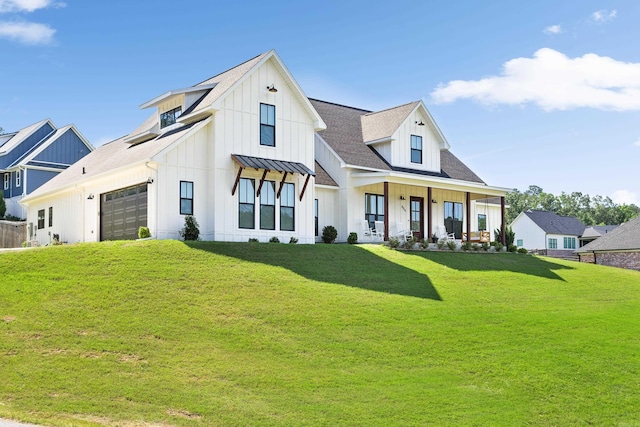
(383,124)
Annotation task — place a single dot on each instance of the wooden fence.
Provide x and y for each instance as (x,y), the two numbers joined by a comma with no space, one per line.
(12,234)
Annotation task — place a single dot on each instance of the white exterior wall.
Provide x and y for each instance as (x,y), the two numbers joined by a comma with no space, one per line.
(560,238)
(326,208)
(532,236)
(401,146)
(236,130)
(493,213)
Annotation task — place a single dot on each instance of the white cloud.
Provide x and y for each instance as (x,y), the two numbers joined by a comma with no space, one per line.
(553,29)
(7,6)
(625,197)
(553,81)
(603,16)
(27,32)
(637,143)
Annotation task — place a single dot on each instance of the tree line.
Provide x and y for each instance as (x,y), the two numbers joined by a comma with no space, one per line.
(596,210)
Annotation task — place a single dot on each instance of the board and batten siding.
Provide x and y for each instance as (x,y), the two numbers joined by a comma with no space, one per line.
(236,130)
(493,213)
(401,147)
(37,177)
(31,141)
(327,199)
(67,149)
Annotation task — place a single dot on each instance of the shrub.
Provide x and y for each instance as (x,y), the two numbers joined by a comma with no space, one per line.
(353,238)
(442,243)
(466,246)
(498,246)
(509,235)
(190,231)
(3,206)
(409,243)
(329,234)
(512,248)
(451,244)
(394,242)
(56,240)
(476,247)
(424,243)
(144,233)
(485,246)
(293,240)
(274,239)
(253,240)
(522,251)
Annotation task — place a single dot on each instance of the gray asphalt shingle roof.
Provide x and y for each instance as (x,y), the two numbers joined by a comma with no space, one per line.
(553,223)
(347,138)
(624,237)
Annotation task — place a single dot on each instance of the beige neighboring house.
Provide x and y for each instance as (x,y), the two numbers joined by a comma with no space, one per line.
(250,156)
(619,247)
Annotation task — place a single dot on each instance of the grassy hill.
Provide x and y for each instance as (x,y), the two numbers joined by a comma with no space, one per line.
(207,334)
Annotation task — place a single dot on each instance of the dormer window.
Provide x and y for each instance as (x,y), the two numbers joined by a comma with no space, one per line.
(416,149)
(169,117)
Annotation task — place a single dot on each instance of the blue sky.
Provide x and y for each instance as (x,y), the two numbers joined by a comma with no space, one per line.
(544,93)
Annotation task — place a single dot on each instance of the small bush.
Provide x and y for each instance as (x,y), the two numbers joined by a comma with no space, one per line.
(25,244)
(451,244)
(56,240)
(274,239)
(190,231)
(498,246)
(353,238)
(394,242)
(476,247)
(442,243)
(293,240)
(512,248)
(253,240)
(329,234)
(424,243)
(144,233)
(485,246)
(410,243)
(466,246)
(523,251)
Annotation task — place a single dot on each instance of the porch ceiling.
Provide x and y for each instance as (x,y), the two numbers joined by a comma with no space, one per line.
(477,190)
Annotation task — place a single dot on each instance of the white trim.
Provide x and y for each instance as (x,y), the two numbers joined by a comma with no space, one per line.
(158,99)
(18,178)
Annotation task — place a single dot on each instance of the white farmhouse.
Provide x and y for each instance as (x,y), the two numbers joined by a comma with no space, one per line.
(250,156)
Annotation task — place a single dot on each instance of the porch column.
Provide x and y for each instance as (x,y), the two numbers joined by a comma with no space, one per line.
(429,225)
(468,216)
(502,232)
(386,211)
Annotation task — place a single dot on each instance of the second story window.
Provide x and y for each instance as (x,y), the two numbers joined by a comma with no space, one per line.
(7,180)
(416,149)
(169,117)
(268,125)
(18,178)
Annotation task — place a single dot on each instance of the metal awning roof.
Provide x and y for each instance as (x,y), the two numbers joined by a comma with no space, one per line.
(271,165)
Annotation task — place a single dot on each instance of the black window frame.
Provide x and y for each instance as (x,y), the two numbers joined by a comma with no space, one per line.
(454,218)
(267,125)
(187,186)
(415,150)
(315,214)
(288,206)
(170,117)
(377,214)
(243,194)
(268,205)
(40,219)
(50,216)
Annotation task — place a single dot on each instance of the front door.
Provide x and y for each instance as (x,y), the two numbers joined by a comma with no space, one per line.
(417,218)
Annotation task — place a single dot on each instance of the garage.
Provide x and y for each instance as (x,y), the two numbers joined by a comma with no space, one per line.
(122,212)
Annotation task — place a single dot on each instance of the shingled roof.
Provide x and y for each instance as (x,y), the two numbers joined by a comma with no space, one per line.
(623,238)
(553,223)
(348,128)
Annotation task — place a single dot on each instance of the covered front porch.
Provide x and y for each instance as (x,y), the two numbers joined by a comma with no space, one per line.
(395,205)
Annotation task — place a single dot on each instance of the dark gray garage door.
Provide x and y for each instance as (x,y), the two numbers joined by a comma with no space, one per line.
(122,212)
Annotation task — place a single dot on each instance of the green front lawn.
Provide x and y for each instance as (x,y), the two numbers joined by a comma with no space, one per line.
(207,334)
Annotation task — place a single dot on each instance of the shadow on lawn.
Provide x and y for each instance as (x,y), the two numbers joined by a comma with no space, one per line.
(341,264)
(515,263)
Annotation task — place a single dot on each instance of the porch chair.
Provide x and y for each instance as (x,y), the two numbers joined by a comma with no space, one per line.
(402,233)
(378,232)
(441,233)
(365,229)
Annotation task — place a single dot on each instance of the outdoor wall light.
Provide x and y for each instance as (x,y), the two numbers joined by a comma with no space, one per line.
(420,123)
(272,88)
(434,201)
(149,180)
(402,198)
(90,196)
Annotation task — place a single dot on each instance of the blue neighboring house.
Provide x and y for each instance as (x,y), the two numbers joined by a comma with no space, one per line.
(35,154)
